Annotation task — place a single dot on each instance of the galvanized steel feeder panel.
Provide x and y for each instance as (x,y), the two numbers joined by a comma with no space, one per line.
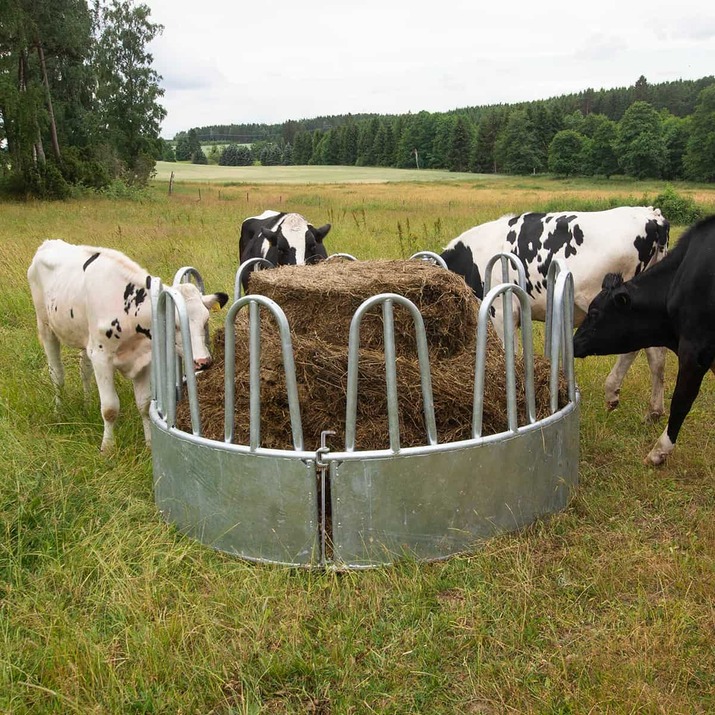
(431,505)
(258,507)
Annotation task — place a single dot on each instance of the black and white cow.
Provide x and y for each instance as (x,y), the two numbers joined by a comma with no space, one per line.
(624,240)
(97,300)
(673,305)
(282,238)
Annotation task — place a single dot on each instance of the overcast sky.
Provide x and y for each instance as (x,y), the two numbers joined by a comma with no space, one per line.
(267,61)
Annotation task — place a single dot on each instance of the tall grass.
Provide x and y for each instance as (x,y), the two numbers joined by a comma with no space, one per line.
(606,607)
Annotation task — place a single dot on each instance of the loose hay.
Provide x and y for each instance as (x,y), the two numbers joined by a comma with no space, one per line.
(319,302)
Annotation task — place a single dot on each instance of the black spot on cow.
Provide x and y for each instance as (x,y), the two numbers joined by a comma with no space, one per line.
(528,243)
(545,264)
(128,292)
(147,282)
(139,298)
(135,296)
(71,313)
(115,329)
(459,259)
(93,257)
(513,220)
(564,237)
(143,331)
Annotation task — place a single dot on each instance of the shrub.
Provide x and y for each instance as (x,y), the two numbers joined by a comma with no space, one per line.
(677,208)
(119,189)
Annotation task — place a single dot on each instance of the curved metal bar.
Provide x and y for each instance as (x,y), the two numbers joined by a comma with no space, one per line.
(347,256)
(393,416)
(430,257)
(528,353)
(556,267)
(560,346)
(389,335)
(170,305)
(255,302)
(505,259)
(185,274)
(154,291)
(243,268)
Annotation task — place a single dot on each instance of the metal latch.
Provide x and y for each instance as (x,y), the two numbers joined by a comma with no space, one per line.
(322,468)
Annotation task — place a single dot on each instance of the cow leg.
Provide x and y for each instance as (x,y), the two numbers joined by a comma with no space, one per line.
(51,346)
(656,363)
(142,396)
(615,379)
(108,400)
(687,386)
(85,371)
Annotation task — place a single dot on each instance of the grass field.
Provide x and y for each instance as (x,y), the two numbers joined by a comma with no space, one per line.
(607,607)
(184,171)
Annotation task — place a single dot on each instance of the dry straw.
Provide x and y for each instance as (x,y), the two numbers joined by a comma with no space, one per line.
(319,302)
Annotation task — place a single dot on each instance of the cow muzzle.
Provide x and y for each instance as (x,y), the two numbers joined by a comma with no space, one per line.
(202,364)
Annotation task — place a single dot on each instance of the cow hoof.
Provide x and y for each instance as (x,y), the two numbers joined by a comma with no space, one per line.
(655,458)
(652,417)
(612,405)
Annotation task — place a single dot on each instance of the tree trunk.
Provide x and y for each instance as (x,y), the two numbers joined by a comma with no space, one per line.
(53,125)
(35,149)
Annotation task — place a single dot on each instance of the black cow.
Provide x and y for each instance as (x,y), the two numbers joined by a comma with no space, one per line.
(627,240)
(282,238)
(673,305)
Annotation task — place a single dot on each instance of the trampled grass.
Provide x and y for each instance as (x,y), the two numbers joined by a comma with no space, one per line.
(606,607)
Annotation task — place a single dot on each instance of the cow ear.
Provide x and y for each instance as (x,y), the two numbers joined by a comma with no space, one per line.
(270,236)
(322,232)
(215,301)
(611,281)
(622,298)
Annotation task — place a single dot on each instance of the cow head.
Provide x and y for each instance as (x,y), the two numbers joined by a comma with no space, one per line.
(610,326)
(197,308)
(295,242)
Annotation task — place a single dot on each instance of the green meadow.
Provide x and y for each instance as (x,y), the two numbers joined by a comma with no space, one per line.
(606,607)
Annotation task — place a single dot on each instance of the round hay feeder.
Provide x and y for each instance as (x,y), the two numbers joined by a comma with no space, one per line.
(274,483)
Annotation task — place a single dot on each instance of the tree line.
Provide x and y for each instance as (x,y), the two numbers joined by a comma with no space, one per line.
(79,99)
(646,131)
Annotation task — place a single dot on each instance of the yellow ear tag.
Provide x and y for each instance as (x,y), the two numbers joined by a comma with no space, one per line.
(215,307)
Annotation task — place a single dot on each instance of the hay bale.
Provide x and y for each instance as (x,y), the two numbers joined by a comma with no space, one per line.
(319,321)
(320,301)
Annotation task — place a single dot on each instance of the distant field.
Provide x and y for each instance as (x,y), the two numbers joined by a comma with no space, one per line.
(302,174)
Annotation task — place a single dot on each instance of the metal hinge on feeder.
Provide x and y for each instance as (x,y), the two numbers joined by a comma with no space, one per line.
(322,468)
